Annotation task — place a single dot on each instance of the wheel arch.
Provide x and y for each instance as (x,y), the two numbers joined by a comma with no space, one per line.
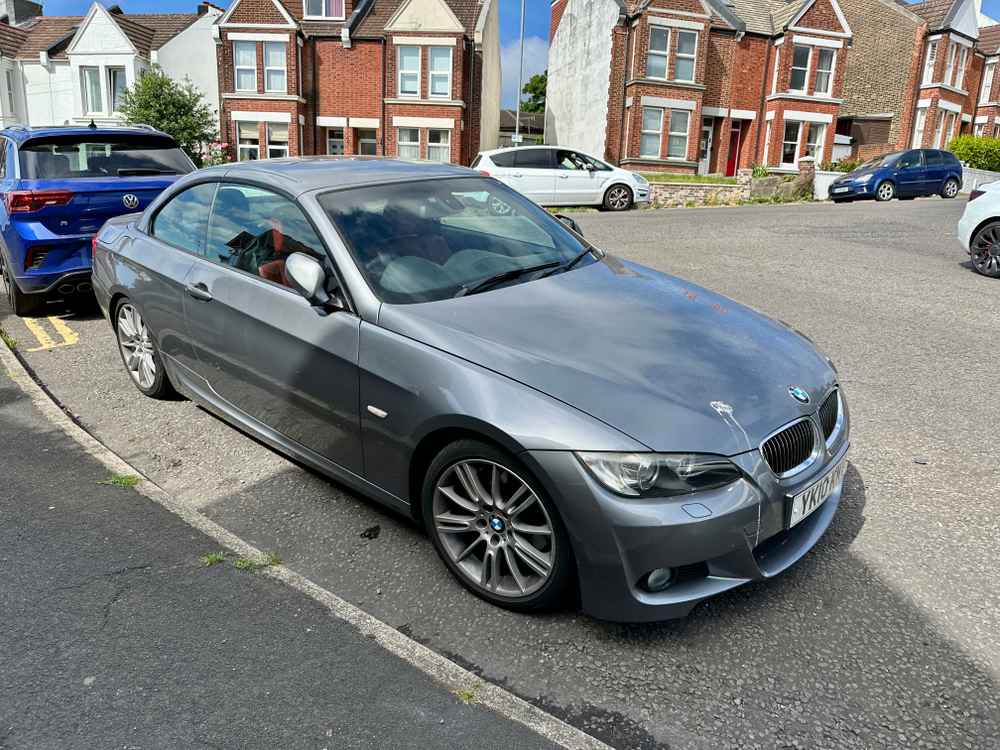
(981,226)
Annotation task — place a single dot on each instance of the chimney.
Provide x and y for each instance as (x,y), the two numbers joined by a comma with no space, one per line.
(202,9)
(19,12)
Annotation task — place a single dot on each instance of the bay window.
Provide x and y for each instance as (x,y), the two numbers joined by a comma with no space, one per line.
(929,61)
(11,96)
(677,141)
(659,49)
(790,144)
(409,71)
(824,71)
(335,141)
(684,60)
(247,141)
(440,72)
(651,133)
(90,80)
(963,59)
(408,140)
(276,67)
(277,140)
(987,88)
(800,68)
(949,73)
(325,9)
(439,145)
(245,62)
(777,69)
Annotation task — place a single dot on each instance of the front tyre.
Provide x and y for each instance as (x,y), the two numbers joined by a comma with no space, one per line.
(950,189)
(139,353)
(985,250)
(885,191)
(495,529)
(618,198)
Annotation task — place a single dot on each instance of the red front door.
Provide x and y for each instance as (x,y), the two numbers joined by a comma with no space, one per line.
(735,145)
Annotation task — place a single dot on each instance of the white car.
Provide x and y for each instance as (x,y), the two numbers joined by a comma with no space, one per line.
(979,229)
(554,176)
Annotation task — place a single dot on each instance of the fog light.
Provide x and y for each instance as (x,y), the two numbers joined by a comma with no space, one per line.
(658,580)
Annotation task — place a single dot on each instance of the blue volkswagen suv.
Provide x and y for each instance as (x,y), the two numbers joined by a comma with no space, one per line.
(902,174)
(59,185)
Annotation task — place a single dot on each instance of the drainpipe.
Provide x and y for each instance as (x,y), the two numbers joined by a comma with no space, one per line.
(629,41)
(382,89)
(468,103)
(314,91)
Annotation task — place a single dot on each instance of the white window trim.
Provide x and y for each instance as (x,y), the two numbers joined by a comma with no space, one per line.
(111,89)
(240,148)
(777,69)
(237,67)
(650,52)
(989,71)
(268,147)
(798,143)
(343,140)
(930,61)
(11,94)
(400,143)
(792,68)
(949,71)
(833,71)
(439,146)
(820,143)
(85,89)
(431,74)
(283,68)
(400,71)
(963,61)
(692,57)
(767,141)
(341,17)
(919,118)
(658,133)
(672,134)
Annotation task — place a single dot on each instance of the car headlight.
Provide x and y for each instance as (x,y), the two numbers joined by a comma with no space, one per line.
(639,179)
(865,179)
(659,474)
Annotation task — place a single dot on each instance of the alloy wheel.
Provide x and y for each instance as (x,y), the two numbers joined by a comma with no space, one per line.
(950,189)
(494,528)
(986,251)
(136,346)
(619,198)
(885,191)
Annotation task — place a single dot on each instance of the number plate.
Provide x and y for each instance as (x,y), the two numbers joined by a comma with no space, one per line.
(809,501)
(841,190)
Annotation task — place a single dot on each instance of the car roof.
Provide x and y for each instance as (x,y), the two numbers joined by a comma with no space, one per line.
(303,174)
(21,134)
(518,148)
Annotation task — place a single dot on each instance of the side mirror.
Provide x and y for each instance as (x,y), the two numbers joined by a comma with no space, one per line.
(569,223)
(308,278)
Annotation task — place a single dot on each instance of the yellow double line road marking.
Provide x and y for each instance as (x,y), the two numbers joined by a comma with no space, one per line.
(45,341)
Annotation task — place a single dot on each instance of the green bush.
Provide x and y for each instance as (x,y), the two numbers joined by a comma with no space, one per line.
(845,165)
(978,153)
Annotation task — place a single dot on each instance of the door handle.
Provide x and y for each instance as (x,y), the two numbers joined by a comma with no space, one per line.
(564,177)
(199,291)
(517,174)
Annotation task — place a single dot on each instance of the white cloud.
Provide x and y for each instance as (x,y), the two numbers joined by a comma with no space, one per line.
(536,60)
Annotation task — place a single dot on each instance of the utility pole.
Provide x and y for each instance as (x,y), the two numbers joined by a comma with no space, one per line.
(520,83)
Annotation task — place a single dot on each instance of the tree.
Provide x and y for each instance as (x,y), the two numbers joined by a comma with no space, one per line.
(178,109)
(535,91)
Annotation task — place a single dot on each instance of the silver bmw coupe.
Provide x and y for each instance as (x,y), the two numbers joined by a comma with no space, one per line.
(563,422)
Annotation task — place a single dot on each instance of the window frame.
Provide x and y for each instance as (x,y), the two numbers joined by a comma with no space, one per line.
(431,74)
(329,139)
(665,54)
(817,146)
(949,71)
(237,67)
(693,56)
(150,229)
(267,140)
(784,141)
(270,69)
(240,147)
(400,143)
(672,134)
(446,147)
(807,69)
(308,16)
(361,141)
(963,62)
(643,131)
(777,69)
(11,94)
(919,127)
(85,72)
(828,91)
(400,72)
(930,62)
(109,74)
(986,87)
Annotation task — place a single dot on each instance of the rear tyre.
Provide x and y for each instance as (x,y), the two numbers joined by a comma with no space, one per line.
(618,198)
(139,353)
(950,189)
(22,304)
(495,529)
(885,191)
(985,250)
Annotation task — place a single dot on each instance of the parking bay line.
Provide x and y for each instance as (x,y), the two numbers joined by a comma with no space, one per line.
(438,667)
(45,341)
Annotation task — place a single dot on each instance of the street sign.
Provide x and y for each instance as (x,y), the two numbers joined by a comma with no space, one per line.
(517,138)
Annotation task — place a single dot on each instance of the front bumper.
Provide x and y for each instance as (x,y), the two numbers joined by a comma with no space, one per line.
(715,540)
(852,191)
(642,194)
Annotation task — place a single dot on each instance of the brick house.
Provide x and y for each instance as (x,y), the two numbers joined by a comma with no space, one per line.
(706,86)
(407,78)
(987,119)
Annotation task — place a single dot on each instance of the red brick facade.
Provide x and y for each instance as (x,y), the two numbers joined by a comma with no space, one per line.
(347,95)
(677,75)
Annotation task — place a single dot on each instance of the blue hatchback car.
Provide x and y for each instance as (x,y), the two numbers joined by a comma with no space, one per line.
(59,185)
(902,174)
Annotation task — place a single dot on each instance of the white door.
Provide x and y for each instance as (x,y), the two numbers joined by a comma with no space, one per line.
(533,174)
(705,147)
(578,182)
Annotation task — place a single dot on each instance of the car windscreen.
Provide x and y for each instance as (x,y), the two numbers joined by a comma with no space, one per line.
(72,157)
(433,239)
(886,160)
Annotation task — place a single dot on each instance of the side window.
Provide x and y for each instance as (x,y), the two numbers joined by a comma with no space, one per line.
(183,221)
(504,160)
(255,230)
(4,155)
(569,160)
(533,158)
(911,159)
(934,158)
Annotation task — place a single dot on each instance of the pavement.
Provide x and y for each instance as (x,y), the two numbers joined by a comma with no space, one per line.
(116,634)
(887,635)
